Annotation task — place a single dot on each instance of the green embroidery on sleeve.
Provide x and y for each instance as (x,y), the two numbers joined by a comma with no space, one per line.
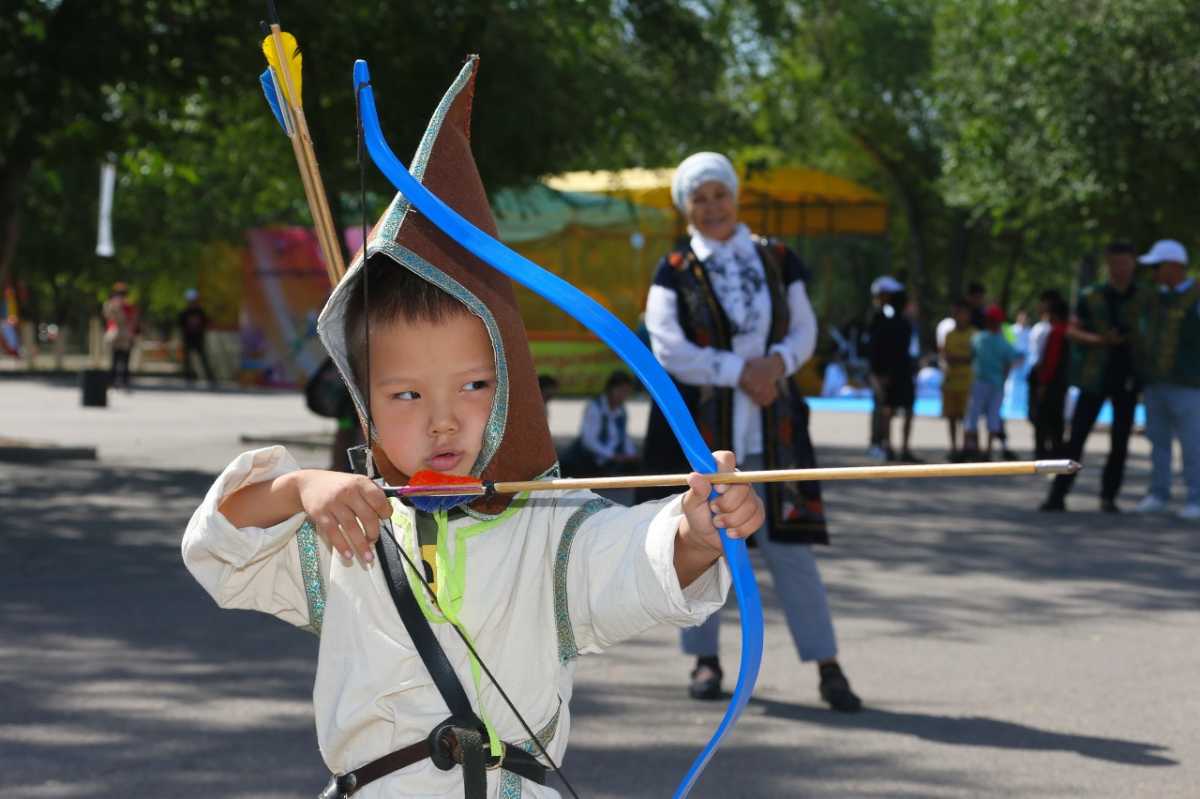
(510,783)
(310,572)
(567,648)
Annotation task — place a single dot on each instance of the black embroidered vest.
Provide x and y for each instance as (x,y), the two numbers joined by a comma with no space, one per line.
(795,513)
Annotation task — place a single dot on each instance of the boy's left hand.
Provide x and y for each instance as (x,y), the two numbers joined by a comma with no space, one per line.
(737,509)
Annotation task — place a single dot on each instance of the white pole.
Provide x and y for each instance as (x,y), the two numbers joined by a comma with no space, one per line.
(108,182)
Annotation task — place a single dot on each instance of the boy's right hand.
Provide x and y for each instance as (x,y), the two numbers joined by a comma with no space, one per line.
(345,508)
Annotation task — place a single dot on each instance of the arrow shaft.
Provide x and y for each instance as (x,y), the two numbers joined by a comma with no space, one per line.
(902,472)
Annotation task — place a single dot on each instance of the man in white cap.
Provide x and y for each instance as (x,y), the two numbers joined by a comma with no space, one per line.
(889,338)
(1170,358)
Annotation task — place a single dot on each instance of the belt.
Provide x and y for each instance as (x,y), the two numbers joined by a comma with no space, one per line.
(448,745)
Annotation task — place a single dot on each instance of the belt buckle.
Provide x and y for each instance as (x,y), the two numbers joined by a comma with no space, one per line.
(499,760)
(347,783)
(340,786)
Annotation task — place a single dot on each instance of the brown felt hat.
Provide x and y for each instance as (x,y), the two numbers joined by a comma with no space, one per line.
(517,443)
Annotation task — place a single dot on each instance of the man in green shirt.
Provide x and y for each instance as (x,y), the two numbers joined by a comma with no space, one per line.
(1102,368)
(1169,354)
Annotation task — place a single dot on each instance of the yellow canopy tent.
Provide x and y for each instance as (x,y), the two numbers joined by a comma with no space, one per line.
(605,231)
(786,201)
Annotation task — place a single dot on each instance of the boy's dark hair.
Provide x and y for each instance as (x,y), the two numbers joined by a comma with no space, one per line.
(1119,247)
(1050,297)
(975,288)
(960,304)
(1059,309)
(396,294)
(617,379)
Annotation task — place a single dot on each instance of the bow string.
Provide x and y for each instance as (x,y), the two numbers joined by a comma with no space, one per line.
(626,345)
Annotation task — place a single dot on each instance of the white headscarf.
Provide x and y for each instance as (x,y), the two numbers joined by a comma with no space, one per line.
(698,169)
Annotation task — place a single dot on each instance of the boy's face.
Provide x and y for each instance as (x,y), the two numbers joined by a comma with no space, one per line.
(432,385)
(962,316)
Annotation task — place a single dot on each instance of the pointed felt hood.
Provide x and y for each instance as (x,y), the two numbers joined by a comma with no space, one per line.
(516,441)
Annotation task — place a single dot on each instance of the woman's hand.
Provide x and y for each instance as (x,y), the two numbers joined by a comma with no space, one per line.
(737,509)
(345,508)
(759,379)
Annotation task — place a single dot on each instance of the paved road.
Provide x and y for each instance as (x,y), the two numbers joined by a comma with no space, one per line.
(1001,652)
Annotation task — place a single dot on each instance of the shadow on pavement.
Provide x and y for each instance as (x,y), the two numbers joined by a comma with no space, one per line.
(1104,563)
(973,731)
(119,675)
(737,771)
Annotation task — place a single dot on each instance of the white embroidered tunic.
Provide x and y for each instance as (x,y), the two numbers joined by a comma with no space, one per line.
(554,576)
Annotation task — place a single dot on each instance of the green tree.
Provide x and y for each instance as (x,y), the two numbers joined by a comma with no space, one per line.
(175,96)
(65,67)
(1072,122)
(850,88)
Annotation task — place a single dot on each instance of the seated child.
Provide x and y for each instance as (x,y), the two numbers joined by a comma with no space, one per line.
(438,364)
(604,446)
(548,386)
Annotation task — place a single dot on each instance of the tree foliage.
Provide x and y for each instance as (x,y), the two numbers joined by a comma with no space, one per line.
(1012,137)
(1073,115)
(174,95)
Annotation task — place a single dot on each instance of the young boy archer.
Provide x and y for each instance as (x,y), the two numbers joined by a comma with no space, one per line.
(436,358)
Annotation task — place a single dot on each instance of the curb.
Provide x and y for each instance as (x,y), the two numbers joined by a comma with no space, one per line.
(11,454)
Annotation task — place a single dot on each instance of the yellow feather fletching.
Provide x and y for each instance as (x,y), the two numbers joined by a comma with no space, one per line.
(291,50)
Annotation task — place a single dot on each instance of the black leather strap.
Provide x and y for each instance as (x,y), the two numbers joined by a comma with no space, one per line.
(461,739)
(523,764)
(452,746)
(467,725)
(474,763)
(428,647)
(344,785)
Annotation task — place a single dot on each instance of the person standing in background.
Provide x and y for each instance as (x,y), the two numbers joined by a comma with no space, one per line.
(729,318)
(1033,353)
(1102,366)
(1048,384)
(889,353)
(193,328)
(120,332)
(1016,387)
(1170,357)
(993,357)
(955,353)
(977,300)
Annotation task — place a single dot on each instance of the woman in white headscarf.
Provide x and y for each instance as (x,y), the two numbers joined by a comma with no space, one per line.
(729,318)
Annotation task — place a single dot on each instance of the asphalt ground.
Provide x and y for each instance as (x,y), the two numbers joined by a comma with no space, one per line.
(1001,652)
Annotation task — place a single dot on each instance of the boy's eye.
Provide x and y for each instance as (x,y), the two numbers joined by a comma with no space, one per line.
(476,385)
(406,395)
